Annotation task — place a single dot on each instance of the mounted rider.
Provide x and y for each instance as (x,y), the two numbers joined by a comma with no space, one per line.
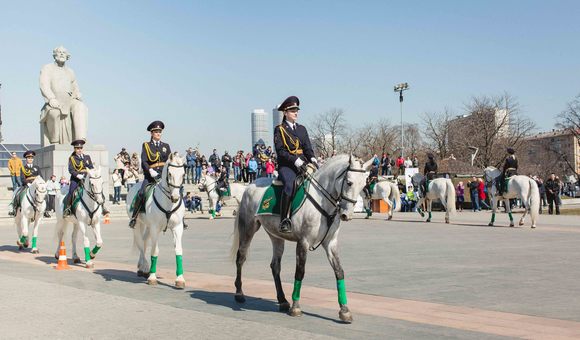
(154,154)
(294,152)
(371,179)
(430,172)
(78,165)
(510,168)
(28,174)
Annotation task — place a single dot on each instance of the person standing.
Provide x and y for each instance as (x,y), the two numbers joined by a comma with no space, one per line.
(385,163)
(226,163)
(116,177)
(14,166)
(460,191)
(474,192)
(294,151)
(552,189)
(52,186)
(252,169)
(482,195)
(190,166)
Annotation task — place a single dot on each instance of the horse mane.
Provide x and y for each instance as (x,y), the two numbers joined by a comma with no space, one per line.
(174,159)
(332,163)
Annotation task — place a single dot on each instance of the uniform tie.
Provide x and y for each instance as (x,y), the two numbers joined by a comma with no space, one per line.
(156,144)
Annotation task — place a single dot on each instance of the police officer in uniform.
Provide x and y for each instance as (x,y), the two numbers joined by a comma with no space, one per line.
(430,171)
(154,154)
(294,152)
(28,174)
(78,165)
(510,168)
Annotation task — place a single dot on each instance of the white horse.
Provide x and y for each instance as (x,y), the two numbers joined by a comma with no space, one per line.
(518,186)
(163,210)
(441,189)
(87,213)
(208,184)
(330,198)
(31,210)
(388,192)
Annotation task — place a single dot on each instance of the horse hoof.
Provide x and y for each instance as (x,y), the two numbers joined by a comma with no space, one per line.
(234,213)
(20,247)
(366,217)
(511,224)
(34,251)
(92,256)
(240,298)
(56,256)
(76,260)
(180,284)
(490,224)
(521,223)
(89,265)
(284,307)
(428,220)
(345,317)
(389,218)
(25,245)
(295,312)
(533,227)
(447,221)
(141,273)
(152,282)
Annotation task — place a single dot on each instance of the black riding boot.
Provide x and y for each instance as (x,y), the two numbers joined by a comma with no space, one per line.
(68,211)
(136,211)
(285,223)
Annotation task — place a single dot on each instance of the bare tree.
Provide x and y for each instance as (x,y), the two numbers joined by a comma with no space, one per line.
(436,130)
(569,120)
(491,124)
(328,129)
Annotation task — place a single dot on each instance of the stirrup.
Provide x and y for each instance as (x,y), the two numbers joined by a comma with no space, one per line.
(286,226)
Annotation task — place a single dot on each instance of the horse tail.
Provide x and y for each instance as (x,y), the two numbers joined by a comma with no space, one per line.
(450,196)
(534,201)
(397,197)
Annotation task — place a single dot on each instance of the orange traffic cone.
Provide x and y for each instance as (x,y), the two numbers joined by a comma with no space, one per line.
(107,219)
(62,262)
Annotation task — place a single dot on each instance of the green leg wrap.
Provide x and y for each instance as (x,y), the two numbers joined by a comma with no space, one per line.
(511,217)
(22,239)
(429,215)
(33,242)
(492,217)
(296,292)
(179,261)
(95,250)
(213,213)
(87,254)
(153,269)
(341,292)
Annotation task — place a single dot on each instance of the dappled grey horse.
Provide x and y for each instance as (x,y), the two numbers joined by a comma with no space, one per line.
(332,193)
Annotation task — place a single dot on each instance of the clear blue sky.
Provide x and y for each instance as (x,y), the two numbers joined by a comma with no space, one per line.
(203,66)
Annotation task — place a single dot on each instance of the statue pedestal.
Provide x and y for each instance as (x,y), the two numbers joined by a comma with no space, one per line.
(53,160)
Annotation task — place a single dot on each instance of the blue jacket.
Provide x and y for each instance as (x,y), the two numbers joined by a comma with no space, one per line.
(253,165)
(191,158)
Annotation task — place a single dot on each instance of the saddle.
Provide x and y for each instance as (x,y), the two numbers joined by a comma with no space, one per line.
(270,202)
(19,196)
(148,194)
(76,198)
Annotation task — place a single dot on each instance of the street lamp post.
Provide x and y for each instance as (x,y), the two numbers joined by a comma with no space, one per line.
(400,88)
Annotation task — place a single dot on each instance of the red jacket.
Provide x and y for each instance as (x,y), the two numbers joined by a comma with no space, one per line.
(481,190)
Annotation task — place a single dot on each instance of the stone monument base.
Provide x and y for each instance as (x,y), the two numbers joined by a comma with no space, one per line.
(53,160)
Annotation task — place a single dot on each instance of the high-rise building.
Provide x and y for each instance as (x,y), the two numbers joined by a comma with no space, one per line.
(276,120)
(260,133)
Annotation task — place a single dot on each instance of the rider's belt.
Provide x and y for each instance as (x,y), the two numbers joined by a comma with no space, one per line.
(30,178)
(296,152)
(157,165)
(510,169)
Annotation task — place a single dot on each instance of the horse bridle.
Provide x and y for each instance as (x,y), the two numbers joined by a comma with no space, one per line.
(167,194)
(93,196)
(34,206)
(334,201)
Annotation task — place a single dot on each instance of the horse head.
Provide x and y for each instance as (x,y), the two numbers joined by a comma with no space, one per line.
(352,183)
(39,188)
(491,173)
(174,174)
(94,184)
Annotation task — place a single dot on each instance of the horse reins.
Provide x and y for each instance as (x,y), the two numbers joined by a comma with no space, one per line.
(34,208)
(334,201)
(167,194)
(93,196)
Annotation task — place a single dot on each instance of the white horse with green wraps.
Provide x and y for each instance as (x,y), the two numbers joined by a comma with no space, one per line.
(31,210)
(86,212)
(329,198)
(208,184)
(441,189)
(164,209)
(387,191)
(518,186)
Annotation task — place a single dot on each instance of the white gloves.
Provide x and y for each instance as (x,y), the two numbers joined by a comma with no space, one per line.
(298,163)
(153,173)
(315,162)
(80,176)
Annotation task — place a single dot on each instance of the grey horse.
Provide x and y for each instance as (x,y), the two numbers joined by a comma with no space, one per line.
(332,192)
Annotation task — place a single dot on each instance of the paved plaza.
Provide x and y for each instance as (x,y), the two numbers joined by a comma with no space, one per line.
(404,278)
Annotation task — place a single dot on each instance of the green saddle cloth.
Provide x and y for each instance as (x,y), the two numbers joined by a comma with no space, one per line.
(148,193)
(270,203)
(77,194)
(17,200)
(372,188)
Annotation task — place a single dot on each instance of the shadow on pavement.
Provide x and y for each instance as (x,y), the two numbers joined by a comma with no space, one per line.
(128,276)
(47,259)
(13,249)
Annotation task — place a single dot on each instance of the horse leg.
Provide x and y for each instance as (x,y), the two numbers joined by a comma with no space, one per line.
(508,208)
(177,234)
(74,239)
(246,235)
(23,241)
(275,265)
(141,243)
(526,204)
(87,245)
(493,210)
(301,252)
(428,202)
(98,238)
(419,207)
(60,226)
(152,279)
(332,253)
(445,205)
(35,235)
(18,222)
